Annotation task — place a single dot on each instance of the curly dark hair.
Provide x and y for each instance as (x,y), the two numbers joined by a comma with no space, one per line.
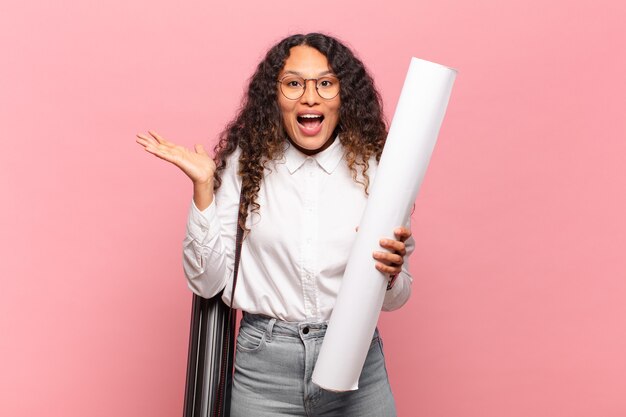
(258,127)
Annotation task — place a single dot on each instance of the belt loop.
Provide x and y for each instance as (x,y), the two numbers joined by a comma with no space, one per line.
(270,327)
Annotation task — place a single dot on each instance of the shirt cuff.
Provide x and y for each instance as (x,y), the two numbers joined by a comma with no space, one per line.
(202,226)
(397,296)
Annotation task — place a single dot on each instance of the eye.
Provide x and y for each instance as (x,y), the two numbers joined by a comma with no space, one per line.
(326,83)
(293,82)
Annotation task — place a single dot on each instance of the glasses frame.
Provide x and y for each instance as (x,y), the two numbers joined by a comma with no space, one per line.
(306,80)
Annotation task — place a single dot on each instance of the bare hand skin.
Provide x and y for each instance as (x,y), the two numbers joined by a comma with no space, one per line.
(390,263)
(196,164)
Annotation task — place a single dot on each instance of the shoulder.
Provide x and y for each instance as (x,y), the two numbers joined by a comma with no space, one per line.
(232,162)
(233,158)
(229,176)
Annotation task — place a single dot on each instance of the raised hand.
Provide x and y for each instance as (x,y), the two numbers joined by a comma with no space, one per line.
(196,164)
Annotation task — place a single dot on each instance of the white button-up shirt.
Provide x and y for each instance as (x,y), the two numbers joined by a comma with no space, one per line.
(294,257)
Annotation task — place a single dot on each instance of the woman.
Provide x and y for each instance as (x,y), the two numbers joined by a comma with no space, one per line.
(301,153)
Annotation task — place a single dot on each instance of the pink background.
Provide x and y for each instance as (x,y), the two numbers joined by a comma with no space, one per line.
(518,307)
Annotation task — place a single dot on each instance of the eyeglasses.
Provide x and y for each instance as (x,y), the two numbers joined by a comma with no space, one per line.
(293,87)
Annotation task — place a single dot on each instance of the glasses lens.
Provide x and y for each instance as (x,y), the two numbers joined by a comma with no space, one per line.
(328,87)
(292,87)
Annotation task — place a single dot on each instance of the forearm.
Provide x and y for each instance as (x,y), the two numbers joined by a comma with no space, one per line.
(203,194)
(206,259)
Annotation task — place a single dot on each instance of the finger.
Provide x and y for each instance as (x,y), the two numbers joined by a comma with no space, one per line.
(402,233)
(143,139)
(142,142)
(386,269)
(159,139)
(161,152)
(199,149)
(390,259)
(155,150)
(394,246)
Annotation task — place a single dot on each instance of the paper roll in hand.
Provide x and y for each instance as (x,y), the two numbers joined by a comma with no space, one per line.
(410,142)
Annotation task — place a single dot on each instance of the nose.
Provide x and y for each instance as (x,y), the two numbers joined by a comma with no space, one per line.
(310,95)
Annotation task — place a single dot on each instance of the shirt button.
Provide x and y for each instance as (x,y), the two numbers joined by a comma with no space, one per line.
(305,330)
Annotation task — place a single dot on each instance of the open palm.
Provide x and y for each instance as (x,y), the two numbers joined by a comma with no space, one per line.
(196,164)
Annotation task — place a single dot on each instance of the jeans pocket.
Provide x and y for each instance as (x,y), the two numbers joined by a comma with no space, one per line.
(250,339)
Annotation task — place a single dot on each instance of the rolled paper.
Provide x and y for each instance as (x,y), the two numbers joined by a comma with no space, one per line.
(410,142)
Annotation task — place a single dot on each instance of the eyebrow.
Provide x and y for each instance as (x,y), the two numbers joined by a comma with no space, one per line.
(321,74)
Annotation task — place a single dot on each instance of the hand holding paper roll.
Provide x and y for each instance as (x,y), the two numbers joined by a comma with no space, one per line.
(410,142)
(390,263)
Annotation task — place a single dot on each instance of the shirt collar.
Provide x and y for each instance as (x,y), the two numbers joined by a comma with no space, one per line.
(328,159)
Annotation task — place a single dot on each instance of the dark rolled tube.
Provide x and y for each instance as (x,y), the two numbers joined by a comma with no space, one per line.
(210,358)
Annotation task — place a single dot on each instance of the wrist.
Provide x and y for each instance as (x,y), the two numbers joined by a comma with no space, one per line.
(203,194)
(204,184)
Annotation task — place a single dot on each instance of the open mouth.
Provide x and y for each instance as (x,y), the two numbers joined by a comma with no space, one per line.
(310,121)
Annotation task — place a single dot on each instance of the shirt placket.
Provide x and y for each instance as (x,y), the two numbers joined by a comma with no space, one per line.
(309,239)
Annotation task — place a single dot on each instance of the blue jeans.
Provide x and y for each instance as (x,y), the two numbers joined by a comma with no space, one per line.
(273,367)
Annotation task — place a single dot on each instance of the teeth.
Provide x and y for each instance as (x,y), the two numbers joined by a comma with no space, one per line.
(310,116)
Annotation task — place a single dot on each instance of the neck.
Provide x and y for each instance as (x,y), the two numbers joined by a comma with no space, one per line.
(310,152)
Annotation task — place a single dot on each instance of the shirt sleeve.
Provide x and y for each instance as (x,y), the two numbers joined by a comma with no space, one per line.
(401,291)
(209,244)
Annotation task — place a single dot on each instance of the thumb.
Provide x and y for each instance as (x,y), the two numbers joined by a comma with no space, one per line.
(199,149)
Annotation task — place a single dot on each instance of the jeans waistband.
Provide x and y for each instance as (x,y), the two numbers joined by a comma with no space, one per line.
(285,328)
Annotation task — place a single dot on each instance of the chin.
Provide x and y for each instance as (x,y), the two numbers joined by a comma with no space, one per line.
(309,145)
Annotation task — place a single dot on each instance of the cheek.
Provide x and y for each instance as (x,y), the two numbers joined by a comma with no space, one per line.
(336,108)
(286,110)
(335,111)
